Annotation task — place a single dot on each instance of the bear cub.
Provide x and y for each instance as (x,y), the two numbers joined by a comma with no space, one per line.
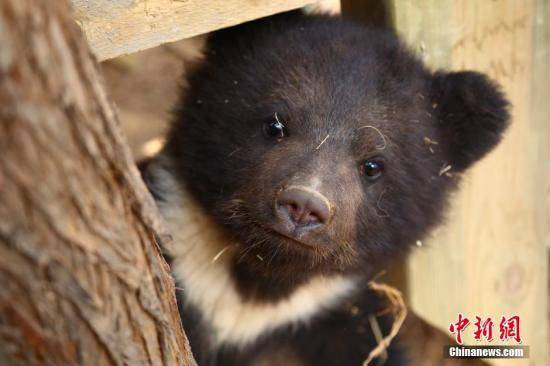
(306,153)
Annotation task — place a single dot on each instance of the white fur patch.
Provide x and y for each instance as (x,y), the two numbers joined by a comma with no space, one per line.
(201,264)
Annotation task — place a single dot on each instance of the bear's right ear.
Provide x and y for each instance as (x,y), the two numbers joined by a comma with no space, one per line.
(472,115)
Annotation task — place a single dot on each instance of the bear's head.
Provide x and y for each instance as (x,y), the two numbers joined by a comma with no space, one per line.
(323,146)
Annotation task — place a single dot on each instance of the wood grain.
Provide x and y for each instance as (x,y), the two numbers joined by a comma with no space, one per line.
(490,259)
(116,27)
(82,278)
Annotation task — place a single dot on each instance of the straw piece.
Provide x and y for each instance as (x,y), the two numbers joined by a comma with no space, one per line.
(399,311)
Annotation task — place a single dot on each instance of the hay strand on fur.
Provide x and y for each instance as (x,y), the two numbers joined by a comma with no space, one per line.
(380,133)
(217,256)
(445,169)
(322,142)
(379,338)
(399,311)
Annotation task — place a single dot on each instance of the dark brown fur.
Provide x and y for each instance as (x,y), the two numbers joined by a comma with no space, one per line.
(325,77)
(346,94)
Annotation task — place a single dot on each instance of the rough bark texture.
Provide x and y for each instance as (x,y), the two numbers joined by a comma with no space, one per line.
(82,280)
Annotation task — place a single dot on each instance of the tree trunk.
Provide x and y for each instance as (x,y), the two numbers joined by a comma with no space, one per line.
(82,280)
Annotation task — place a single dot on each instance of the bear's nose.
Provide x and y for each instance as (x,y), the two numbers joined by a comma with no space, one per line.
(305,208)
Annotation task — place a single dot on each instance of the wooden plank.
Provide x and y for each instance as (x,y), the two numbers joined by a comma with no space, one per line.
(490,259)
(116,27)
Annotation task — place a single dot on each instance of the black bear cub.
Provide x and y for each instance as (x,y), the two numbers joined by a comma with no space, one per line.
(306,153)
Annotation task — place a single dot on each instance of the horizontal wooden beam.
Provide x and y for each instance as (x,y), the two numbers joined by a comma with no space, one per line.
(117,27)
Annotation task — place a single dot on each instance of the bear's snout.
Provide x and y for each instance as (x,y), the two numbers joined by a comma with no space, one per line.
(301,210)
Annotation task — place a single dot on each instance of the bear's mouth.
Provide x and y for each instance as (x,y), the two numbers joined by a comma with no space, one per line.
(293,240)
(287,238)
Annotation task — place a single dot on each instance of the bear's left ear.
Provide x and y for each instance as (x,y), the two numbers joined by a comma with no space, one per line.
(472,115)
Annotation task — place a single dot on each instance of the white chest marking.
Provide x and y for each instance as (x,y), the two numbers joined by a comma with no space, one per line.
(204,275)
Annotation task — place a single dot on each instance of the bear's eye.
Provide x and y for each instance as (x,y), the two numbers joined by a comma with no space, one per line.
(273,127)
(372,169)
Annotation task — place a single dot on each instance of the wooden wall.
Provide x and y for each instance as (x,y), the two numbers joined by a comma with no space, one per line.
(491,258)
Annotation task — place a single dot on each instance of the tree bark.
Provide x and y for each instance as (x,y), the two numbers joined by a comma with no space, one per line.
(82,280)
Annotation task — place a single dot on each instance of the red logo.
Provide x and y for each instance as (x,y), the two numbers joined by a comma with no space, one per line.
(458,327)
(483,328)
(509,328)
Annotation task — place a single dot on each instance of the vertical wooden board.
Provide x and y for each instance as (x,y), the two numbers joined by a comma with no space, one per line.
(540,113)
(490,258)
(117,27)
(425,26)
